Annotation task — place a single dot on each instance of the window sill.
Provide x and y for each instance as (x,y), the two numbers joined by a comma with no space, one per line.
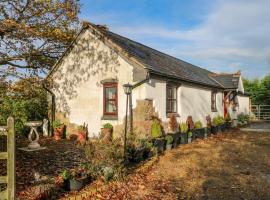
(168,115)
(109,117)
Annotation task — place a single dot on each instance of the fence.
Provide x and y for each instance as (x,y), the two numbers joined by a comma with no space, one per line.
(9,155)
(261,112)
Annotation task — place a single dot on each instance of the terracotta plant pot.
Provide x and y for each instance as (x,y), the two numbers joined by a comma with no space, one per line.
(106,134)
(58,133)
(81,136)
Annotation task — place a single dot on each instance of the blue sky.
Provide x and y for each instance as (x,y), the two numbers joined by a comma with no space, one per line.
(221,35)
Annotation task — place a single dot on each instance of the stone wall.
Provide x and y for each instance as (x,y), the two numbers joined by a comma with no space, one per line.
(142,115)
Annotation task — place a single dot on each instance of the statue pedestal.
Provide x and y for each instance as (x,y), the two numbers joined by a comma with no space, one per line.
(34,145)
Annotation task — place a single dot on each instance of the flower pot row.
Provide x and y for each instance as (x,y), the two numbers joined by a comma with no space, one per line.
(220,128)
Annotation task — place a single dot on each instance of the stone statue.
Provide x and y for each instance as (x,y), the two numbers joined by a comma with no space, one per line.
(45,127)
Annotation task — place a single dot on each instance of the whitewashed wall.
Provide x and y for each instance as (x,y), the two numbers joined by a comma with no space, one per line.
(191,100)
(197,103)
(78,88)
(243,104)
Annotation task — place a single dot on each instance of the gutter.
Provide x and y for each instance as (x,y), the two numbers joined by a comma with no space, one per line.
(184,80)
(142,81)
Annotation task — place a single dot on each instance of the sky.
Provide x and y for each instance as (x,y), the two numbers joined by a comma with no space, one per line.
(219,35)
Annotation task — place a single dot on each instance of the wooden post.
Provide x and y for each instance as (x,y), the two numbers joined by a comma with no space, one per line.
(11,159)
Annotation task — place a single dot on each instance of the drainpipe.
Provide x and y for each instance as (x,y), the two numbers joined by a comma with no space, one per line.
(52,106)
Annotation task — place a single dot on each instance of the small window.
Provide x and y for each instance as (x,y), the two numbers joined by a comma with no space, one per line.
(110,104)
(171,99)
(213,101)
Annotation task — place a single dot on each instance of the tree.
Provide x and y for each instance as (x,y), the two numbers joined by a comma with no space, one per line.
(34,34)
(24,99)
(259,90)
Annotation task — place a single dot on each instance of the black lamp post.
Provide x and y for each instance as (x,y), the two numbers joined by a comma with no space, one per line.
(127,89)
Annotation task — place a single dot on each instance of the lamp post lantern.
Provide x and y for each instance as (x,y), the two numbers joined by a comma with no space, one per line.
(128,90)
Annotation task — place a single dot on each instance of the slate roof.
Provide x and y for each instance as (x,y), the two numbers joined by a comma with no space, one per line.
(228,81)
(162,63)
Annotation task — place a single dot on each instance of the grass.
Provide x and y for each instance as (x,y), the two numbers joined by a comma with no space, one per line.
(233,165)
(229,166)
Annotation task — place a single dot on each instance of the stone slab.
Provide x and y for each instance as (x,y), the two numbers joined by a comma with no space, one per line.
(29,150)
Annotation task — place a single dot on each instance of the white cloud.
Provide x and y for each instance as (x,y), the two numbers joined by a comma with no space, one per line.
(234,32)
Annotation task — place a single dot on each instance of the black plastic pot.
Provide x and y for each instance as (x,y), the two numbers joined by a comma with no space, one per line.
(207,132)
(199,133)
(219,128)
(228,125)
(223,127)
(75,184)
(176,139)
(184,138)
(159,144)
(214,130)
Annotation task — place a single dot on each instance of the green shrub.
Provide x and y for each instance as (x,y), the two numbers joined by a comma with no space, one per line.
(108,126)
(156,130)
(24,101)
(198,124)
(218,120)
(242,118)
(183,127)
(169,139)
(190,134)
(228,118)
(57,124)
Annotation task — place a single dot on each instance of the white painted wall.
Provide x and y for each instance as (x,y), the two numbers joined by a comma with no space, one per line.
(197,103)
(78,88)
(191,100)
(156,90)
(243,104)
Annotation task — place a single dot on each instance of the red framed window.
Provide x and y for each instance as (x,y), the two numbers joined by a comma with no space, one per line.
(110,100)
(213,101)
(171,99)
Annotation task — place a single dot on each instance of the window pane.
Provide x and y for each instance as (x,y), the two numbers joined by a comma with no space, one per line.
(111,106)
(169,93)
(174,93)
(168,106)
(110,93)
(174,106)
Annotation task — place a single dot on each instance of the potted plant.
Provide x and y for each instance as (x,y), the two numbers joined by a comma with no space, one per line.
(199,131)
(242,119)
(174,131)
(75,179)
(156,133)
(218,124)
(189,135)
(147,145)
(208,130)
(169,141)
(184,129)
(228,121)
(82,134)
(173,125)
(107,132)
(58,130)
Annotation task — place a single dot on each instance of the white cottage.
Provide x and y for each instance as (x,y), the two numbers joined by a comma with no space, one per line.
(88,79)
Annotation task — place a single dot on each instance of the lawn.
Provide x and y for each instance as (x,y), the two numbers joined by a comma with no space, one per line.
(233,165)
